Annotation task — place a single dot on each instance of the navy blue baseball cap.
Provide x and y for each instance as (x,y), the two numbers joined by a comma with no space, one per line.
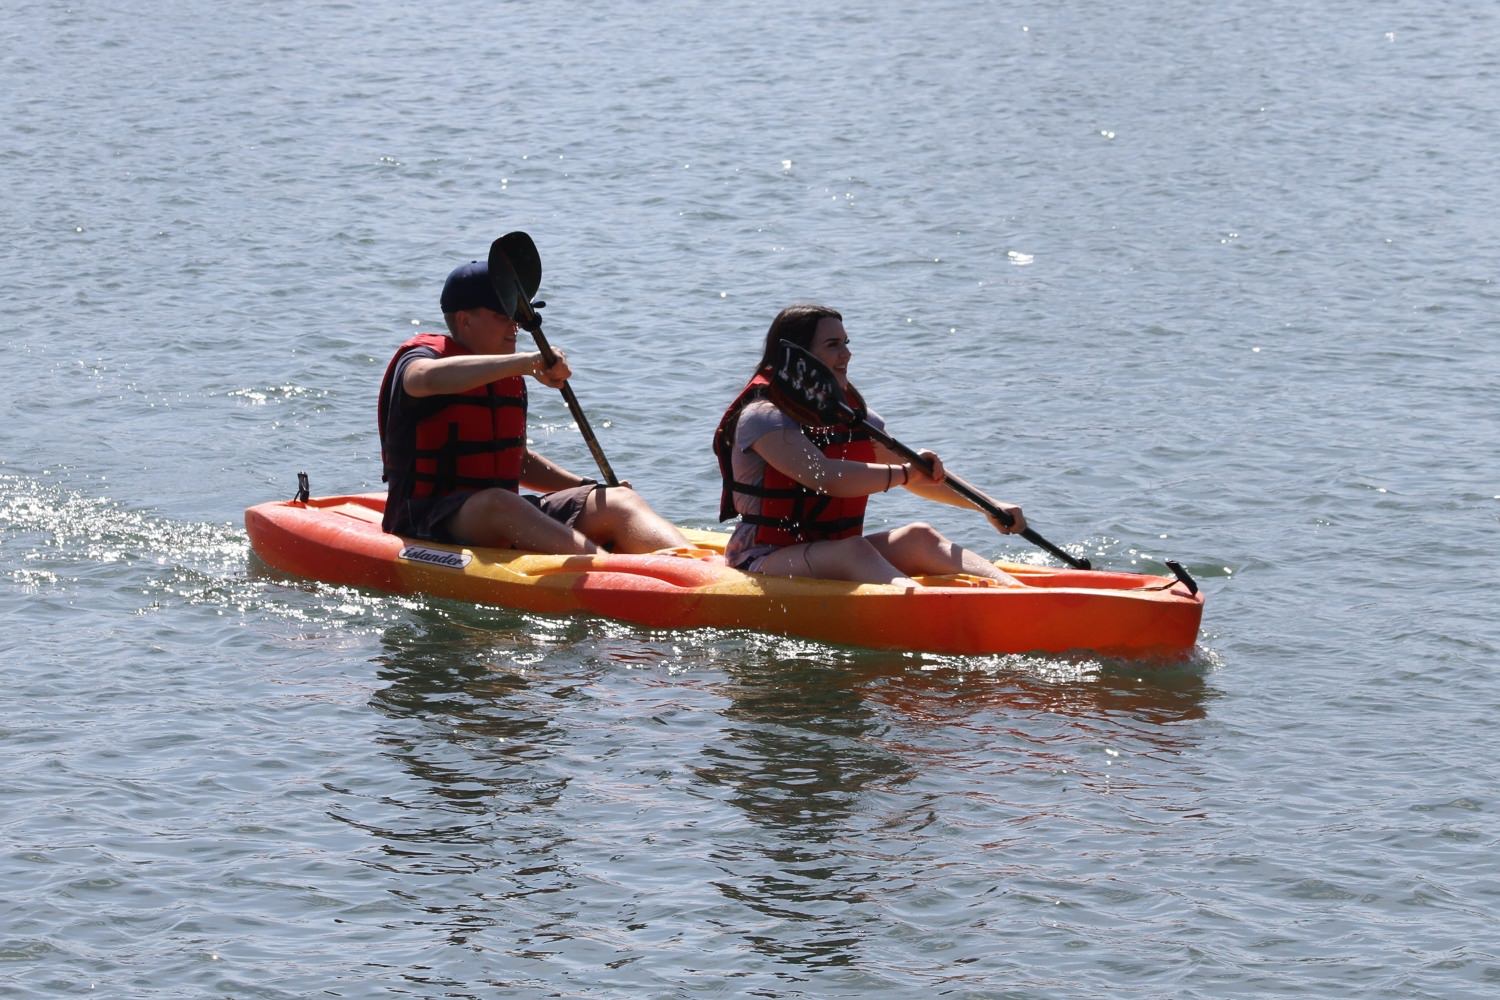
(468,287)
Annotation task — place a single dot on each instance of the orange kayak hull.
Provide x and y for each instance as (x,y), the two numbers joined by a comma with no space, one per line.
(338,540)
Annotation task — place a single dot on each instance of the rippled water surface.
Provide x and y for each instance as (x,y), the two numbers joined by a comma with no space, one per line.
(1213,284)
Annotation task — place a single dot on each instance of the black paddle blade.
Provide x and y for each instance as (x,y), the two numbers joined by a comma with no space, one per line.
(515,273)
(805,389)
(524,258)
(503,280)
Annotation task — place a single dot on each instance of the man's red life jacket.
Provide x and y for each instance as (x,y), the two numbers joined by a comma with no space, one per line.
(454,442)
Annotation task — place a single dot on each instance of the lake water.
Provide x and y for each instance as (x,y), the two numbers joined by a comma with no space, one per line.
(1213,283)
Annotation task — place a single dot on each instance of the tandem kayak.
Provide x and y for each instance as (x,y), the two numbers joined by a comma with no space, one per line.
(338,540)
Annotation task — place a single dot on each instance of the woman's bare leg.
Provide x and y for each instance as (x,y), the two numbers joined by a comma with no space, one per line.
(844,559)
(920,549)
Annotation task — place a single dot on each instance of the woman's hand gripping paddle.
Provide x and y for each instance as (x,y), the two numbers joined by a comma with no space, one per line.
(516,274)
(805,388)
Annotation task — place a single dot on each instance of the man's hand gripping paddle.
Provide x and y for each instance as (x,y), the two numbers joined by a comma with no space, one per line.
(805,388)
(516,274)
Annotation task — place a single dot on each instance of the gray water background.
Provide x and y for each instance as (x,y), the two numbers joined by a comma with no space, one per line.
(1213,282)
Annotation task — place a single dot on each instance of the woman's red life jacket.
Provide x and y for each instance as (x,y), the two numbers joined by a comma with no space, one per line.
(454,442)
(790,512)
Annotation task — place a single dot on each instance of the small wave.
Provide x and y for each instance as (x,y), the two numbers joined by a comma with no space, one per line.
(86,549)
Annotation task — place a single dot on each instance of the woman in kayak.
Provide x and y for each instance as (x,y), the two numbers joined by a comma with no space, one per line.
(800,491)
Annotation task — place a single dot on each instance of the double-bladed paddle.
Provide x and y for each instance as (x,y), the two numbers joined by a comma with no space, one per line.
(809,392)
(516,274)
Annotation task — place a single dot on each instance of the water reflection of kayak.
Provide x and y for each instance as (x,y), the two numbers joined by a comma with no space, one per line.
(338,540)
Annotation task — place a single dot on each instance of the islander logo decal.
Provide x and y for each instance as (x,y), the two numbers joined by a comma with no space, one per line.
(436,557)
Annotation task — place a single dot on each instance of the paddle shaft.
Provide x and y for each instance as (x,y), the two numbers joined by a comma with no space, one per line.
(807,386)
(968,492)
(533,325)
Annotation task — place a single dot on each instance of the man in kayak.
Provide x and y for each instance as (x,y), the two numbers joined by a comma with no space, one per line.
(453,443)
(800,492)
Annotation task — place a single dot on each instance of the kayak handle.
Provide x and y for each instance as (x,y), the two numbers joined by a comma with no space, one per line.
(1182,575)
